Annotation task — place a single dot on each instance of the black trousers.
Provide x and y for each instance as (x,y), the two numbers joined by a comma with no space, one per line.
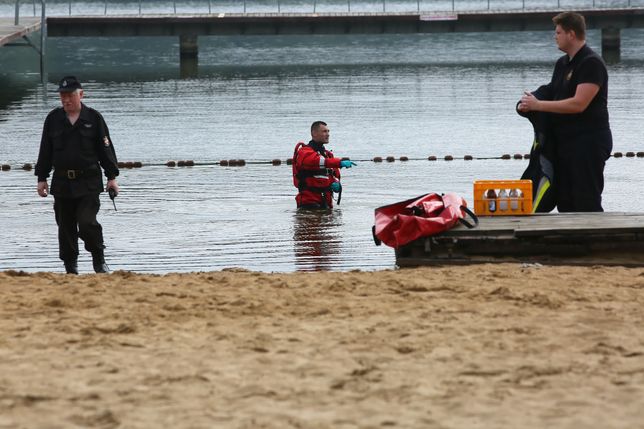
(579,171)
(76,217)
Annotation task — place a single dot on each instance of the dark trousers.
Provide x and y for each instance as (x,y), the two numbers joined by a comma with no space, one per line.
(76,217)
(579,171)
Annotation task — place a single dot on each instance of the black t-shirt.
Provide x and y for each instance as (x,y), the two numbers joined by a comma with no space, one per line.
(585,67)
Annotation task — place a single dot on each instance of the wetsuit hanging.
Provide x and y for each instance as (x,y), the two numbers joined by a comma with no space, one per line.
(540,169)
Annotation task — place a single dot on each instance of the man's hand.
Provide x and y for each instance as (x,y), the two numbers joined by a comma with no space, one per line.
(111,184)
(347,164)
(43,189)
(336,187)
(528,102)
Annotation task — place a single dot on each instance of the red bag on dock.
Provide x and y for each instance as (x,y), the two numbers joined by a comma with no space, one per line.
(400,223)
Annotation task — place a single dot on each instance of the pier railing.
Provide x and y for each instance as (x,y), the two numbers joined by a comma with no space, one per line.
(35,10)
(178,7)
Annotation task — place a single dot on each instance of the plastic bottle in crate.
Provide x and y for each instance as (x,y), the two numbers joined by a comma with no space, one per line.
(515,195)
(503,200)
(490,197)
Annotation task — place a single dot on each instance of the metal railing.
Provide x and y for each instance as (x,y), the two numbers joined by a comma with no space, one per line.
(245,6)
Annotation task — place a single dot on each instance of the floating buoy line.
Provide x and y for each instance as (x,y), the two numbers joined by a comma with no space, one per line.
(289,161)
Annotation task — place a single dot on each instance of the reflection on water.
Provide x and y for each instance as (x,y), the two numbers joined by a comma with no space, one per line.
(316,238)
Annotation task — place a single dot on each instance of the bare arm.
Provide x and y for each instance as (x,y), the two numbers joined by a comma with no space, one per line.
(583,96)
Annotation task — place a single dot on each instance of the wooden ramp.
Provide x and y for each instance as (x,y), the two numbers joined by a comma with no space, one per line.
(570,238)
(9,32)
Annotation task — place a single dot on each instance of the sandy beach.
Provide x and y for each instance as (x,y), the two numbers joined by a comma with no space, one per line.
(489,346)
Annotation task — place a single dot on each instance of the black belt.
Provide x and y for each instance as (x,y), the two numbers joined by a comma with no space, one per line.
(76,174)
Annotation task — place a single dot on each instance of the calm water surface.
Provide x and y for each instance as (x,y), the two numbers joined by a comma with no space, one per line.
(253,99)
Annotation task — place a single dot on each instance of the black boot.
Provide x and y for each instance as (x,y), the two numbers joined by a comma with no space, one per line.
(71,267)
(98,261)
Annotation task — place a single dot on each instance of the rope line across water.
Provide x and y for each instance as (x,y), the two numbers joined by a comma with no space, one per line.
(377,159)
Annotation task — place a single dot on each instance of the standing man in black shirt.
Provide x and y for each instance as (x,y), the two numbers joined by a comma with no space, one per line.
(576,100)
(76,143)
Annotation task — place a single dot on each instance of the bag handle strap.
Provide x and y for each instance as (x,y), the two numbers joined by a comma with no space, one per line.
(375,239)
(472,215)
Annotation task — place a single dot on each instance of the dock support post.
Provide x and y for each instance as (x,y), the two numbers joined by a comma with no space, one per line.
(611,44)
(188,55)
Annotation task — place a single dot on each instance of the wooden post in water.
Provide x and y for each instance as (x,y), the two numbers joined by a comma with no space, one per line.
(611,41)
(188,55)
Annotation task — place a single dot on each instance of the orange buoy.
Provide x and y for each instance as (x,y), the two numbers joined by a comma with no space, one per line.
(617,155)
(391,159)
(171,164)
(277,162)
(26,167)
(377,159)
(431,158)
(518,156)
(468,157)
(449,158)
(223,163)
(630,154)
(506,156)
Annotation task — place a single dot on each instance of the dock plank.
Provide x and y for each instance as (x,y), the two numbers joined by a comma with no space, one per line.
(560,238)
(9,32)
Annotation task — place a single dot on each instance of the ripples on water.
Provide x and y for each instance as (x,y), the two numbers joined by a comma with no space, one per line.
(210,217)
(253,99)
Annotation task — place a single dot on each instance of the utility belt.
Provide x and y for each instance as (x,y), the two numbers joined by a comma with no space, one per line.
(77,174)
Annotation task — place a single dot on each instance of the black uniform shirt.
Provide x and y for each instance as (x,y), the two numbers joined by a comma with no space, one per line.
(585,67)
(85,147)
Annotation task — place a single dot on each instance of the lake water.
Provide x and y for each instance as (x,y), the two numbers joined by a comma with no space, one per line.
(253,99)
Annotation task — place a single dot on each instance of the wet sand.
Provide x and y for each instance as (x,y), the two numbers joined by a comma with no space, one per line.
(490,346)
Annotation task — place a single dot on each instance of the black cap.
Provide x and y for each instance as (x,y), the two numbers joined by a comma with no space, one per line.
(69,84)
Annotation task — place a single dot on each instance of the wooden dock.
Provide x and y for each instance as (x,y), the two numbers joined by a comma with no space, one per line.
(9,32)
(570,238)
(190,27)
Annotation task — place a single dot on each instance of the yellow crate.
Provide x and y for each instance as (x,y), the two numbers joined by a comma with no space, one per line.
(506,203)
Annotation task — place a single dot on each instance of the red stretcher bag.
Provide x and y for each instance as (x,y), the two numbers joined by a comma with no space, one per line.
(400,223)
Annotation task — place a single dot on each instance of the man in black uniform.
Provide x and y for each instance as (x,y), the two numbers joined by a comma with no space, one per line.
(576,100)
(76,143)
